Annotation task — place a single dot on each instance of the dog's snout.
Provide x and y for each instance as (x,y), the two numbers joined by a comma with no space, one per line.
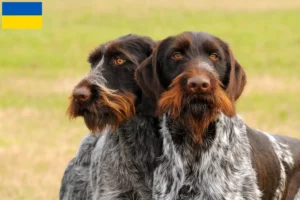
(199,83)
(82,93)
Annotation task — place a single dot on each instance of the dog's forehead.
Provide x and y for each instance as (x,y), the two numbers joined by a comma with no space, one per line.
(186,40)
(124,46)
(111,46)
(183,40)
(205,40)
(202,36)
(125,43)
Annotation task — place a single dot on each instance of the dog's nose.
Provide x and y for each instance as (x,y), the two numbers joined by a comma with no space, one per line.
(199,83)
(82,93)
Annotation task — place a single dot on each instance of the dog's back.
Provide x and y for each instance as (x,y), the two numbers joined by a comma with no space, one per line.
(276,160)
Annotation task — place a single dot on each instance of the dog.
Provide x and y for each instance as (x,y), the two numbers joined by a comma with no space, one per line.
(116,161)
(208,151)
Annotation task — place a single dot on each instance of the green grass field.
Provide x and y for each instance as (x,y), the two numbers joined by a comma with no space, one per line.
(38,69)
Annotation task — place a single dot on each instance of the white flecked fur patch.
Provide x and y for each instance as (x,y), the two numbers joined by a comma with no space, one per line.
(223,171)
(284,155)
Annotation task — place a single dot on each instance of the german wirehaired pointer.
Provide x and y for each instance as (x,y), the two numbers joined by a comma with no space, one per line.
(119,163)
(208,151)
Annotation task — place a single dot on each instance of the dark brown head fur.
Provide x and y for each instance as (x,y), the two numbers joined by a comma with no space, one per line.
(108,93)
(193,76)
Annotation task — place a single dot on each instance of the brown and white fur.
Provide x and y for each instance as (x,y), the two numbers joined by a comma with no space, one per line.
(208,151)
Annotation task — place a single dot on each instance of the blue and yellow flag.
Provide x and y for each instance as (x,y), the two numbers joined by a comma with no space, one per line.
(22,15)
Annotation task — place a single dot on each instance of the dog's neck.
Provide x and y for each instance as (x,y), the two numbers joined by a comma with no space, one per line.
(223,129)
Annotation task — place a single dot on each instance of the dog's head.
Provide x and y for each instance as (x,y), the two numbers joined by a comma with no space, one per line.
(193,76)
(106,95)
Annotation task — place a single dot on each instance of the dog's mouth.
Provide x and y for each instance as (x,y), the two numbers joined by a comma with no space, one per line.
(197,104)
(103,111)
(89,110)
(196,99)
(79,109)
(104,108)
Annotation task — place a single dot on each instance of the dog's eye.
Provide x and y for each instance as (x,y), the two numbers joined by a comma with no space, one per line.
(119,61)
(177,56)
(214,57)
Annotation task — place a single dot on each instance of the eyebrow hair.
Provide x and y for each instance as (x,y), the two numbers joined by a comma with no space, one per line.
(184,41)
(211,46)
(112,46)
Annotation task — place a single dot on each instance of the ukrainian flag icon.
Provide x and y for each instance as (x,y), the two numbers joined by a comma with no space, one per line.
(22,15)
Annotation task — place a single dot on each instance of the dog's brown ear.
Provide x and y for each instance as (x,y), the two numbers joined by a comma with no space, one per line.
(146,78)
(237,78)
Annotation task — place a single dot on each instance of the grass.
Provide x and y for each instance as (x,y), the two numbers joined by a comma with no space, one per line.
(38,69)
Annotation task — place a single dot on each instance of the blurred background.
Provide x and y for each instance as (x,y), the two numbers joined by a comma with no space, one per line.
(39,68)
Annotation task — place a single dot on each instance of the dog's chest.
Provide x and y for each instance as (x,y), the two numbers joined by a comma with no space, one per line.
(222,171)
(127,160)
(215,176)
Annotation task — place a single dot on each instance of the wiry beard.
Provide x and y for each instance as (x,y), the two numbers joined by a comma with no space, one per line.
(196,111)
(110,108)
